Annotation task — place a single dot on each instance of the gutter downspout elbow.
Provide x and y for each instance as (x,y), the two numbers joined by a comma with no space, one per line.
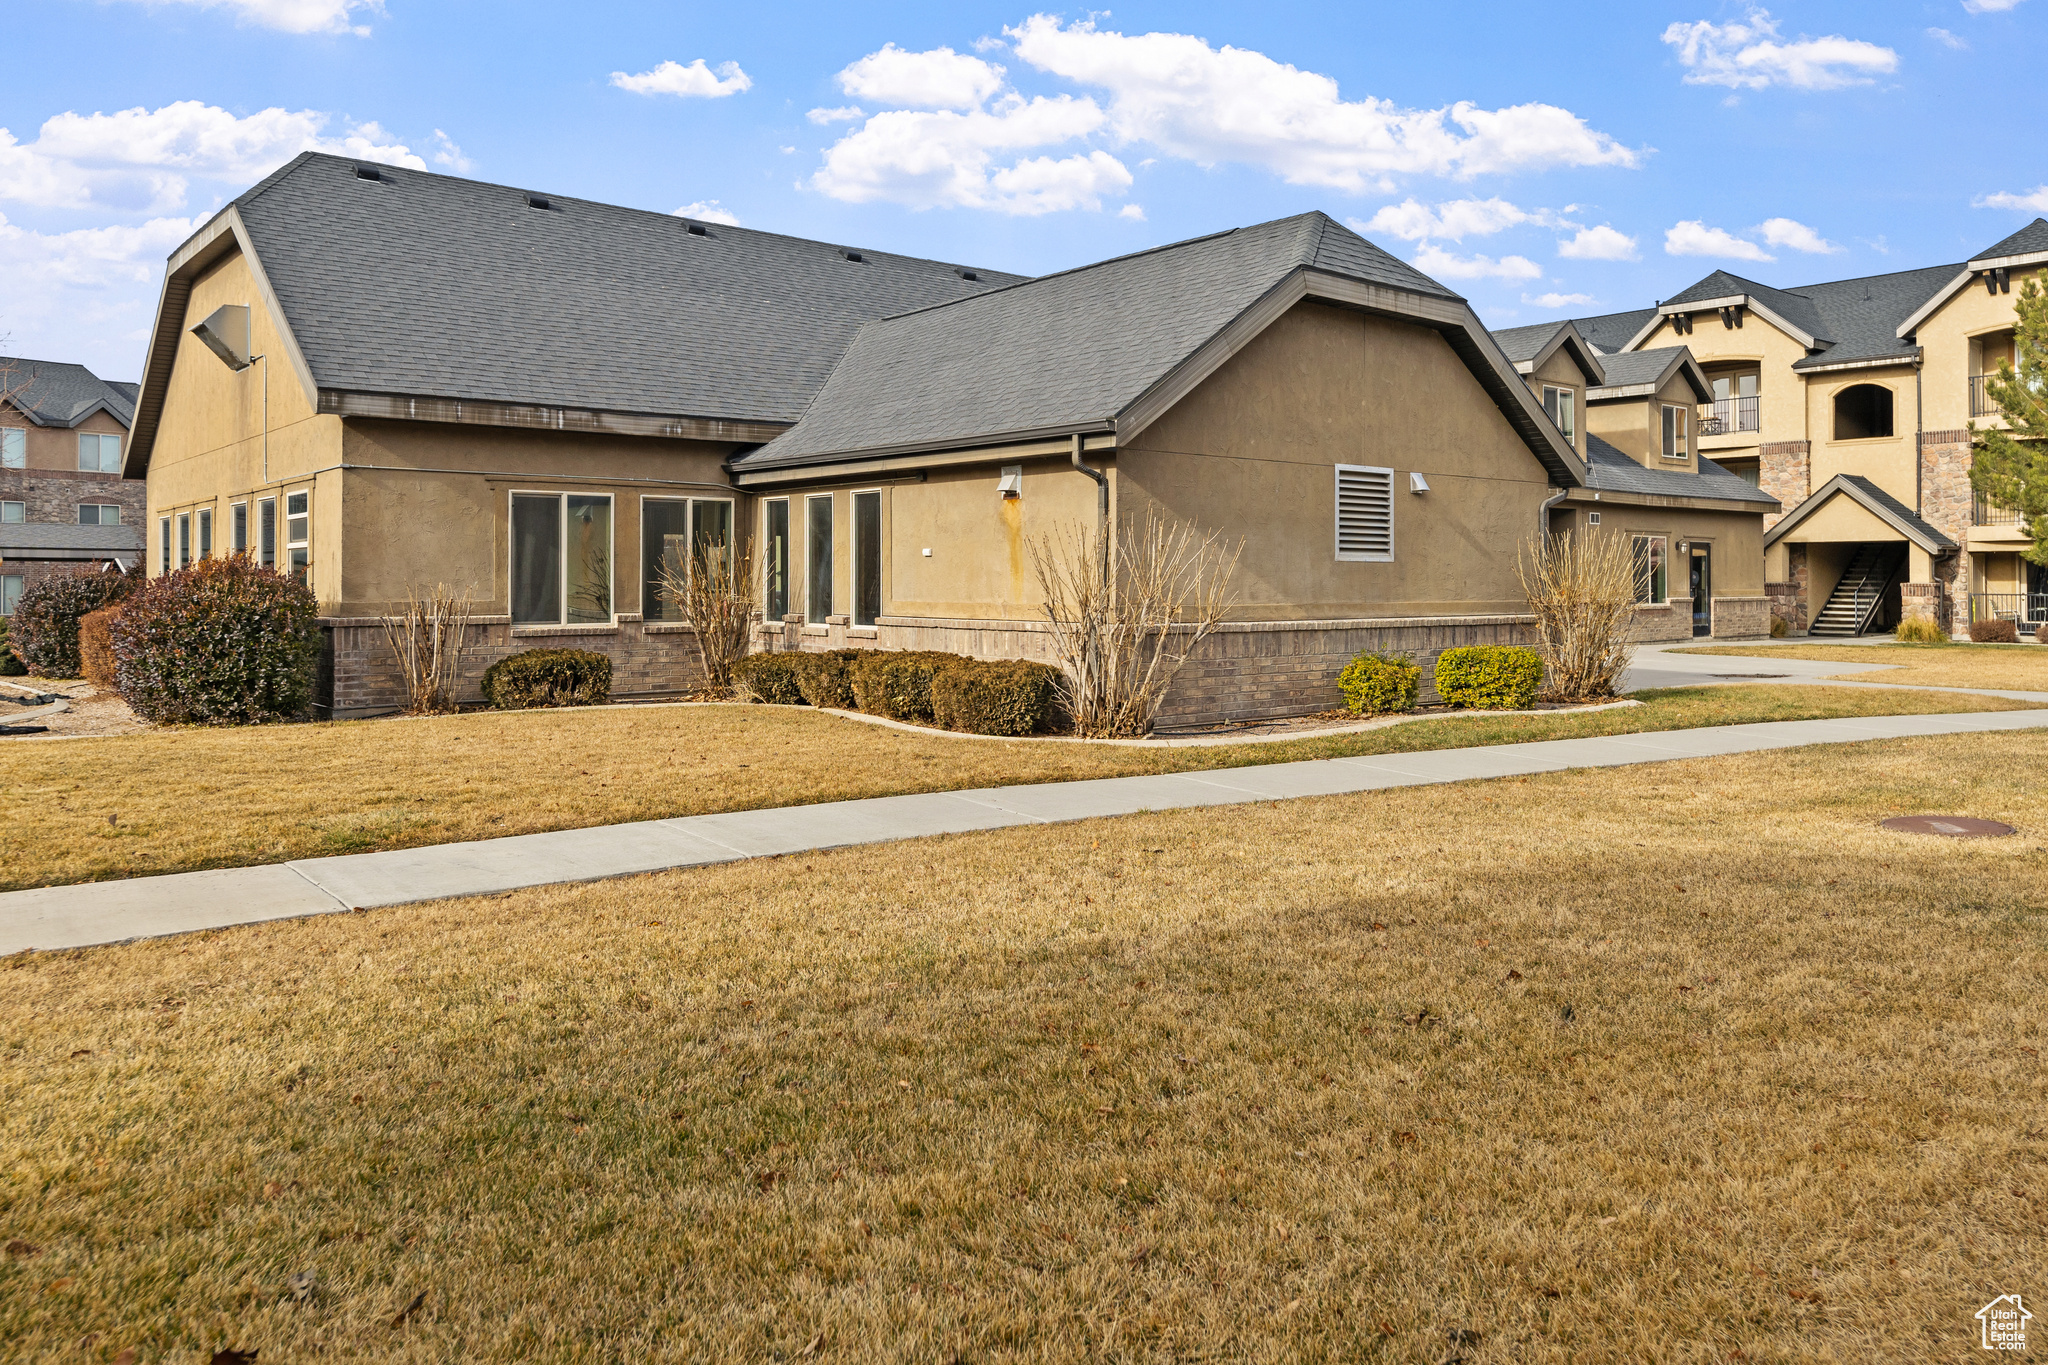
(1543,520)
(1101,508)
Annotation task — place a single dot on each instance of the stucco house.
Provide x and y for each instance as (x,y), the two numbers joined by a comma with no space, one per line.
(63,502)
(1850,401)
(536,399)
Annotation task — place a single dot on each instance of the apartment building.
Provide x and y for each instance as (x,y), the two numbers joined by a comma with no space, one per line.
(1851,403)
(63,501)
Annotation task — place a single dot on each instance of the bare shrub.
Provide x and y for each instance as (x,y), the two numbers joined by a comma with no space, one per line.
(1583,590)
(718,597)
(427,636)
(1125,616)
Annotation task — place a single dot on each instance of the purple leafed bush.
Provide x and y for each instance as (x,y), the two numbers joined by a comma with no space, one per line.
(225,642)
(43,632)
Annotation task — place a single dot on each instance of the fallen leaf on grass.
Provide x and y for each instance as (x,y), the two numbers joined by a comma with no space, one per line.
(409,1309)
(82,1052)
(228,1355)
(126,1356)
(1513,975)
(811,1346)
(21,1250)
(767,1179)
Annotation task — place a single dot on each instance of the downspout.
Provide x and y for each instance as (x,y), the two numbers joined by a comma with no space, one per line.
(1101,510)
(1543,520)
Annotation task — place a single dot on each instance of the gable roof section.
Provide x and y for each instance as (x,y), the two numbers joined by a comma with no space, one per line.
(415,286)
(2028,246)
(1111,346)
(1610,333)
(1634,374)
(1530,348)
(1875,500)
(1608,470)
(2031,240)
(1842,323)
(52,394)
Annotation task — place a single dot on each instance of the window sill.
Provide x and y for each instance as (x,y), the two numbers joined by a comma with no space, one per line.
(864,632)
(1653,606)
(522,632)
(817,630)
(666,628)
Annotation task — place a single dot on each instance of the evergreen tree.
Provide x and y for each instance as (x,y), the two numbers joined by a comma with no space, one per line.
(2011,466)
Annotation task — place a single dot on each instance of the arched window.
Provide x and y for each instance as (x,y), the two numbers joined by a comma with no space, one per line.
(1863,411)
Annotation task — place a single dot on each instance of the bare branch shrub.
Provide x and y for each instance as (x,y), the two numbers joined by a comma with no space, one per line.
(1123,623)
(1583,590)
(718,597)
(427,637)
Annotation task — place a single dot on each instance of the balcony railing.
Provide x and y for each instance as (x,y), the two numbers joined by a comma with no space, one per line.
(2025,609)
(1981,404)
(1725,416)
(1991,514)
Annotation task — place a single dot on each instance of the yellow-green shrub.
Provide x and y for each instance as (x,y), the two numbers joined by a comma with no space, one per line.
(824,679)
(996,697)
(1374,684)
(548,677)
(1489,677)
(897,683)
(1921,631)
(770,678)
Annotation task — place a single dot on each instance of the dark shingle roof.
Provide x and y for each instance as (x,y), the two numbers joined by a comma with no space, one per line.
(1067,350)
(427,285)
(1639,367)
(1609,332)
(1526,343)
(1608,470)
(2028,240)
(1854,319)
(1792,306)
(52,394)
(35,535)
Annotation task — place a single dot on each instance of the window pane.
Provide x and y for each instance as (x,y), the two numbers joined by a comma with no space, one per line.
(109,515)
(662,542)
(10,593)
(299,568)
(164,526)
(1565,414)
(1748,389)
(1550,403)
(88,514)
(110,455)
(184,540)
(818,554)
(13,447)
(589,570)
(240,527)
(776,560)
(867,562)
(537,560)
(1670,442)
(713,534)
(266,533)
(13,511)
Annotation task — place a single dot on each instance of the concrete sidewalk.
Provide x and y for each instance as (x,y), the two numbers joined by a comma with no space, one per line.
(143,907)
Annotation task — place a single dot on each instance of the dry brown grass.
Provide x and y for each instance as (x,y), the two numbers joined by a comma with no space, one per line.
(1954,665)
(182,799)
(1657,1064)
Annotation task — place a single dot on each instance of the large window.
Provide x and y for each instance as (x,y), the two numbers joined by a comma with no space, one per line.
(1365,513)
(266,533)
(101,514)
(1560,406)
(1863,411)
(298,527)
(13,511)
(13,447)
(775,558)
(99,454)
(675,534)
(818,558)
(1674,432)
(561,559)
(867,557)
(1651,584)
(10,593)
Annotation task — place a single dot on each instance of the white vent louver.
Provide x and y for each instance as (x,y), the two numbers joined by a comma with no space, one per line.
(1365,513)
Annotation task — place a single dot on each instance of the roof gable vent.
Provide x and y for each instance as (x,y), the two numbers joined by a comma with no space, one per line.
(538,201)
(368,173)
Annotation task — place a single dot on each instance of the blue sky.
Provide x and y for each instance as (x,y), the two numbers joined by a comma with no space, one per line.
(1542,168)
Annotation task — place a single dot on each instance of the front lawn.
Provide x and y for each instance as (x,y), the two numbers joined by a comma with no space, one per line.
(2011,668)
(178,800)
(1682,1063)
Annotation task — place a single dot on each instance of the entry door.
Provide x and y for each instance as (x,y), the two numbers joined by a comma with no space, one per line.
(1702,592)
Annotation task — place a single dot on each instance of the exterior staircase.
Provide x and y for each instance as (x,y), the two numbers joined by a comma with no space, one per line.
(1854,603)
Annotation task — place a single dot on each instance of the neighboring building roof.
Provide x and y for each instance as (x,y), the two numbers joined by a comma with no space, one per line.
(53,394)
(1634,373)
(1531,347)
(1525,343)
(427,286)
(2027,241)
(1611,332)
(23,539)
(1608,470)
(1880,503)
(1107,346)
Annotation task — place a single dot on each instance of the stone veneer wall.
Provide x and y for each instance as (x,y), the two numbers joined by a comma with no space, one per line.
(1785,471)
(52,495)
(358,676)
(1948,504)
(1788,599)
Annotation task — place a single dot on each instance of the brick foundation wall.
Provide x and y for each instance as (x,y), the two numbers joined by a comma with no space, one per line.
(1948,504)
(1784,470)
(1661,624)
(1741,618)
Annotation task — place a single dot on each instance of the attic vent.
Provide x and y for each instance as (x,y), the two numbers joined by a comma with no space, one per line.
(538,201)
(1365,513)
(368,173)
(967,274)
(699,230)
(851,255)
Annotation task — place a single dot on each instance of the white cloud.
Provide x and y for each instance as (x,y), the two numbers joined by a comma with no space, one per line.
(693,81)
(2036,202)
(449,156)
(1458,219)
(1990,6)
(140,159)
(1695,238)
(1784,232)
(843,115)
(1601,243)
(1434,260)
(1748,55)
(1208,105)
(294,16)
(1558,300)
(938,79)
(1132,212)
(1947,39)
(708,211)
(85,295)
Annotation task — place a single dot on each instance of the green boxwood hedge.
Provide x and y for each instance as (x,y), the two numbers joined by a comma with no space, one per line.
(825,677)
(548,677)
(898,683)
(999,697)
(769,678)
(1375,684)
(1489,677)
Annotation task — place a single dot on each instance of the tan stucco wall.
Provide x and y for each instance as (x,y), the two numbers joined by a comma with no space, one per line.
(1890,462)
(1736,538)
(1840,518)
(1251,452)
(1561,371)
(1635,426)
(56,447)
(1946,335)
(1781,392)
